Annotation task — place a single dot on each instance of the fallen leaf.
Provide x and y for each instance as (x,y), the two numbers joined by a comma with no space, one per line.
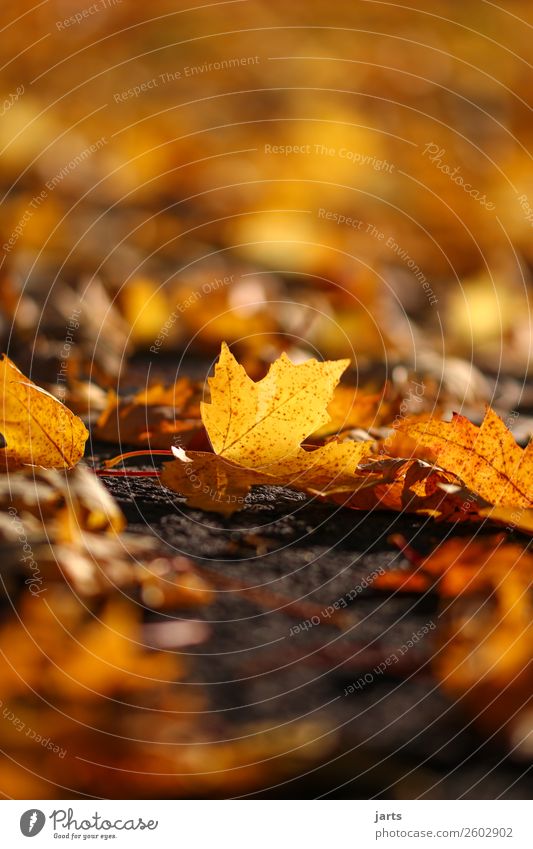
(486,458)
(96,565)
(210,482)
(105,657)
(261,425)
(84,397)
(38,430)
(256,430)
(405,486)
(72,527)
(60,648)
(145,305)
(106,701)
(398,443)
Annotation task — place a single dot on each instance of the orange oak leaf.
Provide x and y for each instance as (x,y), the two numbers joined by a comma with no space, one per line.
(486,458)
(37,429)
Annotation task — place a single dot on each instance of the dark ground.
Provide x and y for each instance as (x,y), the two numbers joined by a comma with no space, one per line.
(396,737)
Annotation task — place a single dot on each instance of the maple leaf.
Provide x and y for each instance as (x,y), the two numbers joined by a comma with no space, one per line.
(406,486)
(486,458)
(38,430)
(261,425)
(210,482)
(256,430)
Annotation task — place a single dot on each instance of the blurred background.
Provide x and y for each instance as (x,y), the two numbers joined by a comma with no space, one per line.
(339,178)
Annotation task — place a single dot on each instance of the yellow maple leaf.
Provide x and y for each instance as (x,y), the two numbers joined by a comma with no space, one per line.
(262,425)
(210,482)
(486,458)
(37,429)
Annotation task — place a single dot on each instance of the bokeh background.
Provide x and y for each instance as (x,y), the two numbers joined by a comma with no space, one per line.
(330,178)
(362,169)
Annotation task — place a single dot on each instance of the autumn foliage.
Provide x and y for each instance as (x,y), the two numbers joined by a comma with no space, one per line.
(267,399)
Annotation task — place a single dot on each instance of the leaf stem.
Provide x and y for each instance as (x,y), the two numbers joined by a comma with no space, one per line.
(126,473)
(108,464)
